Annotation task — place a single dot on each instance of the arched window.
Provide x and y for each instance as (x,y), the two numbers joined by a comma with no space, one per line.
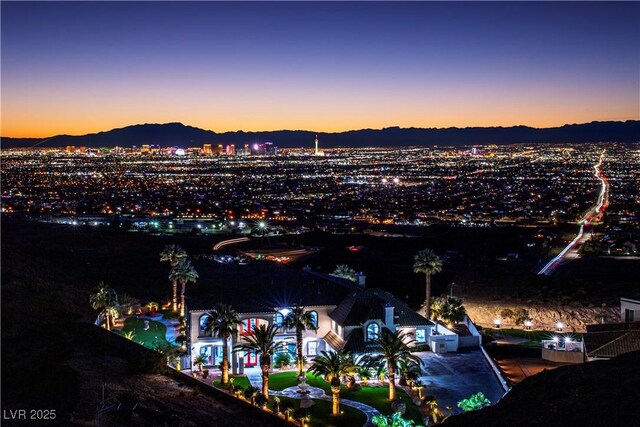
(372,331)
(314,318)
(279,318)
(204,319)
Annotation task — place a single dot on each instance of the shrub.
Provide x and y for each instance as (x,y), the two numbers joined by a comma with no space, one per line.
(282,360)
(474,402)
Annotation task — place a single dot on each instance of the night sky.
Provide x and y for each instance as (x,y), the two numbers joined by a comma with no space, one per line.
(79,67)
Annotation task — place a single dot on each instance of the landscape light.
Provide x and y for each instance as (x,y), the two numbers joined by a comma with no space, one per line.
(497,323)
(527,324)
(559,326)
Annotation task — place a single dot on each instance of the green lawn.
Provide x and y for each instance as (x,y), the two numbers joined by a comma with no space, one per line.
(283,380)
(372,396)
(240,381)
(320,414)
(156,334)
(531,335)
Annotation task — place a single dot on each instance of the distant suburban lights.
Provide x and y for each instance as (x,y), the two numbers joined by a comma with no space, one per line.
(396,180)
(559,326)
(385,180)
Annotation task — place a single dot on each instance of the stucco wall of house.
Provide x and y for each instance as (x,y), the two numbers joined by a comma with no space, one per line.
(631,305)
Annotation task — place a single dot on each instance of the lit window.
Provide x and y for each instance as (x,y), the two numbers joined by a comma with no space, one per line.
(204,319)
(279,318)
(312,348)
(314,318)
(372,331)
(420,335)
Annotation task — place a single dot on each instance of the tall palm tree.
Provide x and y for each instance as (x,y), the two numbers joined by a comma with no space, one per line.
(183,272)
(427,262)
(332,366)
(345,272)
(261,341)
(300,320)
(174,254)
(105,299)
(392,349)
(223,321)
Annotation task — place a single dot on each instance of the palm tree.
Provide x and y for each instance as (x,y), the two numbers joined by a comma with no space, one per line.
(105,299)
(448,309)
(261,340)
(199,360)
(174,254)
(223,321)
(391,349)
(300,320)
(332,366)
(183,272)
(345,272)
(427,262)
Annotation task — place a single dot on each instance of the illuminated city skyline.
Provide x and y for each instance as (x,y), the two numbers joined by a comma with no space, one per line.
(81,67)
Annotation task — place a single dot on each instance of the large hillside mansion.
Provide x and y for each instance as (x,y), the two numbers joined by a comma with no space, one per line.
(348,315)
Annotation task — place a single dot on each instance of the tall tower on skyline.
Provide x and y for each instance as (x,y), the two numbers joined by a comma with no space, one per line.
(316,145)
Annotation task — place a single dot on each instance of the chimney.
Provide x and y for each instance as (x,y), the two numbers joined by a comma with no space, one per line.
(360,279)
(389,317)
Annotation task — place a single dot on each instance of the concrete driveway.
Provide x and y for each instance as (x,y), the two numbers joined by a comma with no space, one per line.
(451,377)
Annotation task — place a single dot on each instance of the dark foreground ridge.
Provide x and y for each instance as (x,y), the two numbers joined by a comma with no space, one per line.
(171,134)
(600,393)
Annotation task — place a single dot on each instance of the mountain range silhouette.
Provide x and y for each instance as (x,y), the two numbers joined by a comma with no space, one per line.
(178,134)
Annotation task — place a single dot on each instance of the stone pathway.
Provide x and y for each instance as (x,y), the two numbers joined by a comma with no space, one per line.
(317,393)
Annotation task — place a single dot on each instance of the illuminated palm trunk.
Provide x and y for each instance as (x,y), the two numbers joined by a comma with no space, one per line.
(184,285)
(392,381)
(299,351)
(335,392)
(225,362)
(175,295)
(265,379)
(106,321)
(427,277)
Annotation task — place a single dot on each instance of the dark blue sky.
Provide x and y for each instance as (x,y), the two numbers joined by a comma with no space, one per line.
(75,67)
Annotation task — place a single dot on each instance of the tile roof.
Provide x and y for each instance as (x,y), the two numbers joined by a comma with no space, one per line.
(363,304)
(262,286)
(618,338)
(334,340)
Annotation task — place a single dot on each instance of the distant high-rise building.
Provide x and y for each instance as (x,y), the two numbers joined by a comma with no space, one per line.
(70,149)
(230,149)
(206,149)
(317,151)
(145,149)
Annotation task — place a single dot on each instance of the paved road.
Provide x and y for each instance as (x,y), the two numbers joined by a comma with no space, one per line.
(451,377)
(593,215)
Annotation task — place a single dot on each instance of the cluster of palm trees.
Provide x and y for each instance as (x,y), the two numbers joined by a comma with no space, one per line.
(391,350)
(181,272)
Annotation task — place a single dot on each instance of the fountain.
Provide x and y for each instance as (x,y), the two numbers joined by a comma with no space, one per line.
(303,386)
